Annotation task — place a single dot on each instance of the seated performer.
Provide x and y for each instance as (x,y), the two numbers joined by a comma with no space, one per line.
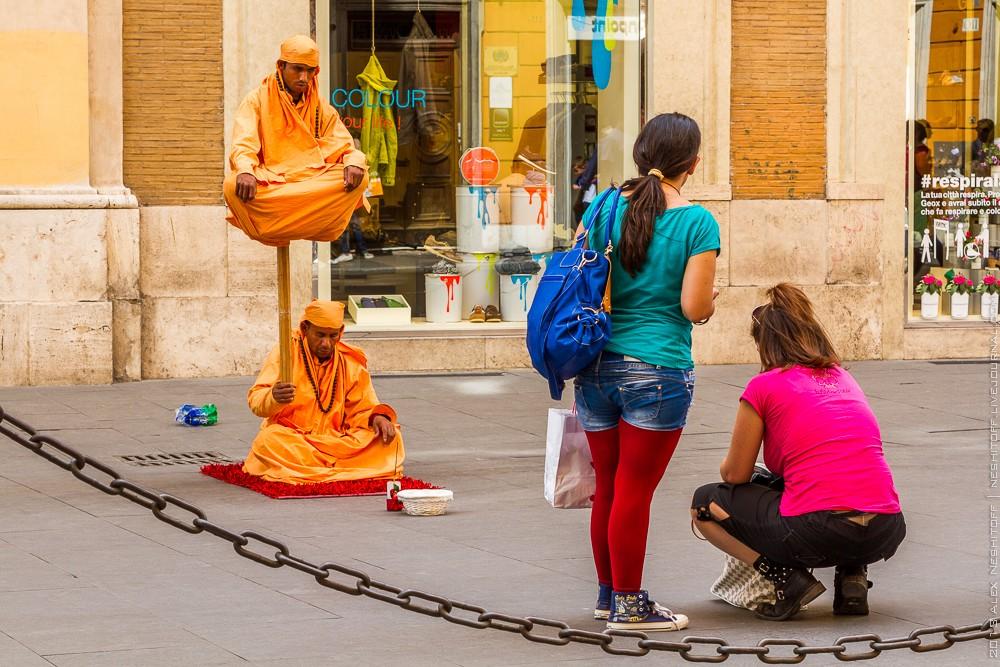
(295,171)
(327,424)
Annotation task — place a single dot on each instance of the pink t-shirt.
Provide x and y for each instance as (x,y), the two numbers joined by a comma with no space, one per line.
(823,438)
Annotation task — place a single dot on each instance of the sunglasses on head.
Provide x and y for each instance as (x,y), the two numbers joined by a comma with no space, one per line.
(755,315)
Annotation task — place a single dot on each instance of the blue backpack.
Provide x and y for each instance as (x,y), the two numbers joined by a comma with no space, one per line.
(567,325)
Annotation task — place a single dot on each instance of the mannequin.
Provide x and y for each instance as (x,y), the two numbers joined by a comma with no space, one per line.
(925,245)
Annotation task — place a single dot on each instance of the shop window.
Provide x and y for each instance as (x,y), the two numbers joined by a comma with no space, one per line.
(500,120)
(953,160)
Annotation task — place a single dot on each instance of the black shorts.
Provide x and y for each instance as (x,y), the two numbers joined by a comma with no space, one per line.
(816,539)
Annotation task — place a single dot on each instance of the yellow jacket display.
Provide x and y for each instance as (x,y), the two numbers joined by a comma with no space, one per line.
(378,131)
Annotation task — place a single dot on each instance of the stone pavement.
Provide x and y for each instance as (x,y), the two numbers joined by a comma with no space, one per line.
(89,579)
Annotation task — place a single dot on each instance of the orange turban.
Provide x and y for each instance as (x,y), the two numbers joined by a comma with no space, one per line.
(325,314)
(300,50)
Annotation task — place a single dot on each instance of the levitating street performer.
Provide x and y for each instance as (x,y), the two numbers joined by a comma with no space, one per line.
(295,171)
(327,424)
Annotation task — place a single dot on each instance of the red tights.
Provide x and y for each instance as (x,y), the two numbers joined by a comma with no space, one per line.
(629,463)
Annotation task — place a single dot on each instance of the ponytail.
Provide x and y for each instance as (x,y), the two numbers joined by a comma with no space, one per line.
(667,146)
(788,333)
(645,203)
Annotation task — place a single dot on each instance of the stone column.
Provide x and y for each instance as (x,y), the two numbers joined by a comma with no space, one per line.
(54,224)
(106,153)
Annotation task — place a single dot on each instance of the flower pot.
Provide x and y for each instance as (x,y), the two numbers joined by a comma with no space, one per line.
(959,306)
(929,305)
(988,306)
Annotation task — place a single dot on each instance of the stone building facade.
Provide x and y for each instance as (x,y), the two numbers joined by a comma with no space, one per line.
(116,262)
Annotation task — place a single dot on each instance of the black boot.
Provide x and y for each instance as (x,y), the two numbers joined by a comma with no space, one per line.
(850,595)
(793,587)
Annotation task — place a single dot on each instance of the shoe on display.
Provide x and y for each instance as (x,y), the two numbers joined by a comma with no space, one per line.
(635,611)
(444,268)
(493,314)
(441,249)
(381,302)
(343,257)
(517,261)
(367,302)
(478,315)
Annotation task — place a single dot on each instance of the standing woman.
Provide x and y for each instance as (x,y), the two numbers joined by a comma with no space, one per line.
(633,400)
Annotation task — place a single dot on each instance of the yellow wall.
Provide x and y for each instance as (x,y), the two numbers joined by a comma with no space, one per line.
(44,107)
(520,25)
(953,108)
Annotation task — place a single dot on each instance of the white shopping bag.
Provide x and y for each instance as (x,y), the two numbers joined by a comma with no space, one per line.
(569,473)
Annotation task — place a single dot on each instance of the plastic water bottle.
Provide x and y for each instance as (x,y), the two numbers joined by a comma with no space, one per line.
(192,415)
(183,411)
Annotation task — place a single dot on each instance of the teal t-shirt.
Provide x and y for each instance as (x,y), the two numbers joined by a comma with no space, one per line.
(646,318)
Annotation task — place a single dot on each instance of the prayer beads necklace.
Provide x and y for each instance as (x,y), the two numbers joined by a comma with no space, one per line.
(281,87)
(333,392)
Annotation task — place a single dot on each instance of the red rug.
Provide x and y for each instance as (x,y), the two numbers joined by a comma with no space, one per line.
(232,473)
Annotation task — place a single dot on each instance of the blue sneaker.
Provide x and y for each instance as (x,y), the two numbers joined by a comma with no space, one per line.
(635,611)
(603,607)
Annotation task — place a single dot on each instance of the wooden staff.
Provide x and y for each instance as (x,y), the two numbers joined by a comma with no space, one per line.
(284,314)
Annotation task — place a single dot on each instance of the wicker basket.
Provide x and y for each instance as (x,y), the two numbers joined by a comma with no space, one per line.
(425,502)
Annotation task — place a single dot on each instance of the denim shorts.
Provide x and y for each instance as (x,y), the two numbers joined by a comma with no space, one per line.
(646,396)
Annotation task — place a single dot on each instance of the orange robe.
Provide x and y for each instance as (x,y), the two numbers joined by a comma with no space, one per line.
(300,177)
(299,444)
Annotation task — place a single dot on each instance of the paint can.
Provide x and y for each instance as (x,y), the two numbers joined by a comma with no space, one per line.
(477,208)
(516,294)
(444,297)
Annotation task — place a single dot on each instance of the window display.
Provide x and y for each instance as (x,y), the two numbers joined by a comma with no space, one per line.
(489,126)
(953,161)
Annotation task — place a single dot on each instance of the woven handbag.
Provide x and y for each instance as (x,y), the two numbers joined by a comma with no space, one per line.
(742,586)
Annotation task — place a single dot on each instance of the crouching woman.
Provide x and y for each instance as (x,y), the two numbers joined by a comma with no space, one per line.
(839,506)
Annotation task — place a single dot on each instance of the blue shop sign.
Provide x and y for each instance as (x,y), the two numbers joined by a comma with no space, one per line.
(356,98)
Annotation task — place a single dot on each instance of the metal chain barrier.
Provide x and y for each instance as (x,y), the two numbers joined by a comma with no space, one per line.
(273,553)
